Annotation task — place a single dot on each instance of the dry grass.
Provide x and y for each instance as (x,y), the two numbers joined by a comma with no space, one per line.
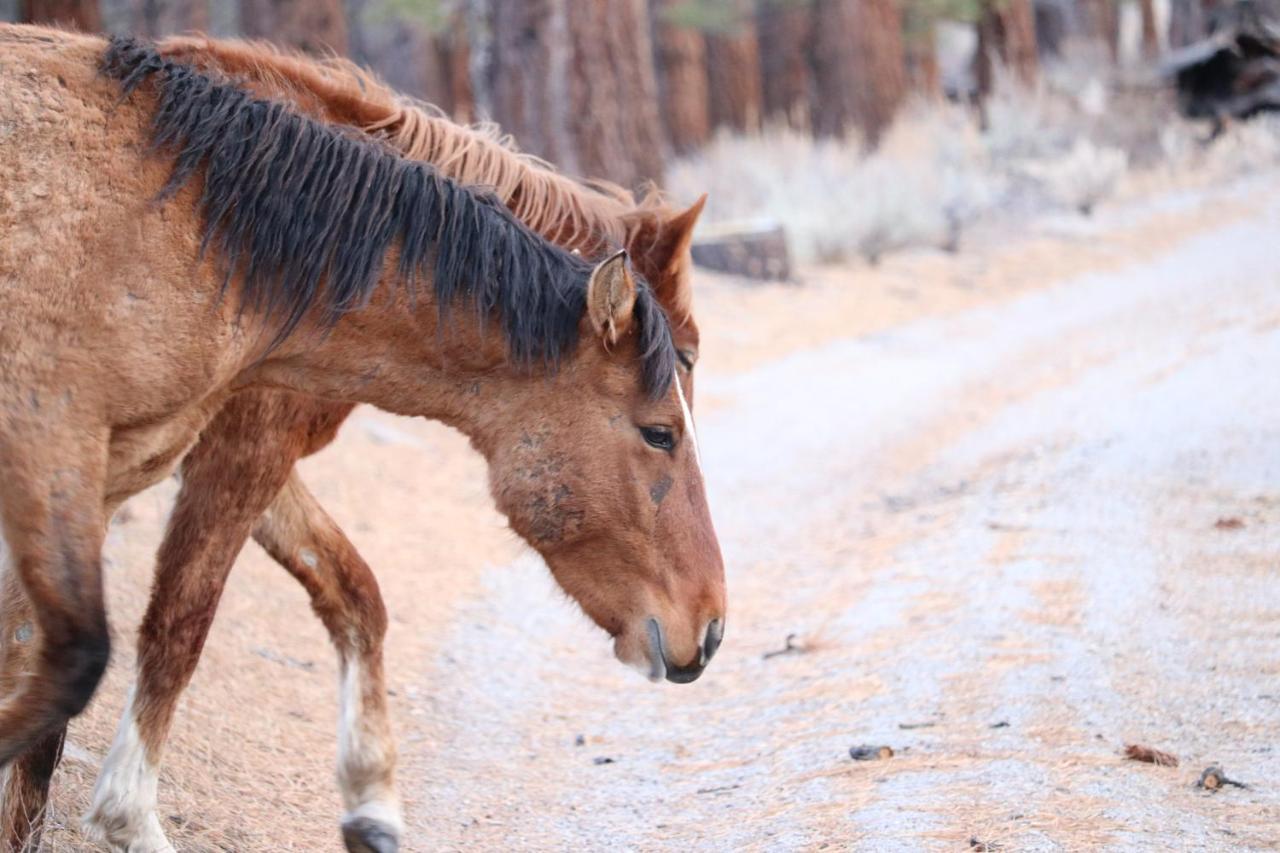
(1073,145)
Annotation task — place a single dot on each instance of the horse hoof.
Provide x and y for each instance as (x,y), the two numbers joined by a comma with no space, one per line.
(366,835)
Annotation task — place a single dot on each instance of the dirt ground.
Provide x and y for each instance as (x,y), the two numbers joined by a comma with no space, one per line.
(1018,507)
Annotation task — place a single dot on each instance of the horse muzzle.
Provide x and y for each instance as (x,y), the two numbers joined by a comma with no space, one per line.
(660,665)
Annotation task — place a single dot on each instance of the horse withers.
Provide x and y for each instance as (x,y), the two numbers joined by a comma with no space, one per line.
(118,344)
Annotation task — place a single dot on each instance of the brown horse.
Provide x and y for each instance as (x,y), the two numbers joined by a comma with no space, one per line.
(654,581)
(255,440)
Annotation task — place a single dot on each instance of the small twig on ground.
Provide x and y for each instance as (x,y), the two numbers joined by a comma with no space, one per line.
(720,789)
(602,759)
(1137,752)
(1003,724)
(870,753)
(1230,523)
(284,660)
(982,846)
(928,724)
(790,648)
(1213,779)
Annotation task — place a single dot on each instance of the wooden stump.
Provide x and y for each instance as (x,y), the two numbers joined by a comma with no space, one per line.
(755,250)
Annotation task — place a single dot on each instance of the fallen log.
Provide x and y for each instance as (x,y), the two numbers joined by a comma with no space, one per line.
(756,250)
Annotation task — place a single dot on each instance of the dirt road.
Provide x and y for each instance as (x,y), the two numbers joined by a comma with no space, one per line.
(1018,508)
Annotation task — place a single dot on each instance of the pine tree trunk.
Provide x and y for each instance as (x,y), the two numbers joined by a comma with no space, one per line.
(983,56)
(453,46)
(80,14)
(613,89)
(525,76)
(859,66)
(834,74)
(313,26)
(681,57)
(923,73)
(785,36)
(158,18)
(573,80)
(1006,29)
(733,74)
(1186,22)
(403,54)
(1104,25)
(1150,36)
(638,91)
(1018,28)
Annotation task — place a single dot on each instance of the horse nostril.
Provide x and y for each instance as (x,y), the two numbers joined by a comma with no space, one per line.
(715,633)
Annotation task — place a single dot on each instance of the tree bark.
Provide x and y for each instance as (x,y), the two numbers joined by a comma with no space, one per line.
(987,30)
(524,75)
(402,53)
(733,73)
(80,14)
(313,26)
(923,73)
(1018,28)
(859,66)
(574,81)
(785,36)
(158,18)
(1150,36)
(453,45)
(681,58)
(613,90)
(1186,22)
(1006,28)
(1104,25)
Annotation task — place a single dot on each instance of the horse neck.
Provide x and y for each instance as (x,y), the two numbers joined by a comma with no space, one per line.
(397,354)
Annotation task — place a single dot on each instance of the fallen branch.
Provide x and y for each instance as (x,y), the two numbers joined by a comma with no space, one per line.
(790,648)
(1137,752)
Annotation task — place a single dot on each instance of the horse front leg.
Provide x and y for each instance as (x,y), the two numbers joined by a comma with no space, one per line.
(24,784)
(228,480)
(24,793)
(298,533)
(53,620)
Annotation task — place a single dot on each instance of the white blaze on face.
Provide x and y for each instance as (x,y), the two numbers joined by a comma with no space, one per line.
(123,814)
(688,420)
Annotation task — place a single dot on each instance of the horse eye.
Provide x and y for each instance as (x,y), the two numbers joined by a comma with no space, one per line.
(659,437)
(686,359)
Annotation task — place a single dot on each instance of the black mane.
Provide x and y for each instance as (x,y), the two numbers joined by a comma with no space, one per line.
(306,213)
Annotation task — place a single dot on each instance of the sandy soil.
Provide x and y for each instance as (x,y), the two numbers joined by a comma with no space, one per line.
(982,491)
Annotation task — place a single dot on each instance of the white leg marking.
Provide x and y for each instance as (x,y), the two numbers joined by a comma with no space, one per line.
(123,814)
(688,420)
(362,759)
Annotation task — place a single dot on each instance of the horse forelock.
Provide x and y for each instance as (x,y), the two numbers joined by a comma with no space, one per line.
(305,213)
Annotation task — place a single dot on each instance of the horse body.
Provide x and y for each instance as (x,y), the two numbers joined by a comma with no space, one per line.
(140,391)
(79,223)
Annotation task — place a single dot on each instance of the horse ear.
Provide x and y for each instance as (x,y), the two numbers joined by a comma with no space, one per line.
(665,255)
(611,297)
(676,235)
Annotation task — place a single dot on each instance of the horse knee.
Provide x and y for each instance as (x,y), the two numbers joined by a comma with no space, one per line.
(78,665)
(373,613)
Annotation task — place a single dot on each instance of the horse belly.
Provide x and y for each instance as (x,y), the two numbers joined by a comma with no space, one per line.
(143,456)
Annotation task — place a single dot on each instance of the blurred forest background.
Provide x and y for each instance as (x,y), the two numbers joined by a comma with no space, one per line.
(861,125)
